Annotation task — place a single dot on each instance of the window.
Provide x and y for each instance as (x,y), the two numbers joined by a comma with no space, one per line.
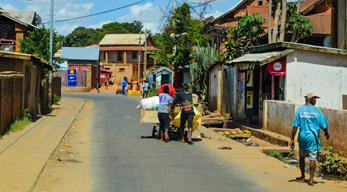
(134,55)
(121,69)
(107,68)
(260,2)
(119,56)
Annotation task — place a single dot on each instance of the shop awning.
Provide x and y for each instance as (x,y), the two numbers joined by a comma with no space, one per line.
(261,58)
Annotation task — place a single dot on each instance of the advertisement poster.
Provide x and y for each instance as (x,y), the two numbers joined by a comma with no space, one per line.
(71,78)
(249,103)
(249,78)
(241,93)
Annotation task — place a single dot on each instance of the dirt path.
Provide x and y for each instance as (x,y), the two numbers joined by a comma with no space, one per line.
(68,167)
(267,171)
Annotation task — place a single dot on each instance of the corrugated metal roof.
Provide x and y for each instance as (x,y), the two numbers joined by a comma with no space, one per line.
(261,58)
(127,48)
(80,53)
(241,2)
(26,16)
(321,23)
(162,69)
(9,16)
(122,39)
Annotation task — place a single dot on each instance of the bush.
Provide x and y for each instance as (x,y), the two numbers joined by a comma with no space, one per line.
(276,155)
(56,99)
(331,162)
(153,91)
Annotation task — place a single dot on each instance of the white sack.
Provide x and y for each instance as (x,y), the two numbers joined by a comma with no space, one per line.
(150,104)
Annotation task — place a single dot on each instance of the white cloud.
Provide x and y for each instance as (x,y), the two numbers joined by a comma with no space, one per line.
(215,14)
(148,14)
(66,29)
(7,6)
(99,25)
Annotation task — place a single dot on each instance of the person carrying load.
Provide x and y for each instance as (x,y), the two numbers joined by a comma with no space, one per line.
(185,98)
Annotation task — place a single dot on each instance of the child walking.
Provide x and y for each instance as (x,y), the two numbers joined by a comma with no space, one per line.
(165,103)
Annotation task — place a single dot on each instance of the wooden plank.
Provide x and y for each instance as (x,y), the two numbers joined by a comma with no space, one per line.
(149,116)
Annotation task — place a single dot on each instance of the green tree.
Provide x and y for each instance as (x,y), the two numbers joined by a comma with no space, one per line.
(82,37)
(177,40)
(240,38)
(37,42)
(299,26)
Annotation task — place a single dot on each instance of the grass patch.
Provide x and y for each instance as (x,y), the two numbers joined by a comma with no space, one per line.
(20,124)
(276,155)
(56,99)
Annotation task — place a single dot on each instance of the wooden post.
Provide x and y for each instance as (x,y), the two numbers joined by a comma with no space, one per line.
(13,93)
(341,24)
(269,22)
(106,57)
(139,60)
(125,57)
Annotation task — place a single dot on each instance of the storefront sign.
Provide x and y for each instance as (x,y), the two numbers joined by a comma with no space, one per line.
(277,68)
(71,78)
(249,78)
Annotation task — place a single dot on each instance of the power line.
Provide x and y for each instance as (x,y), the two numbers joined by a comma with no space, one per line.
(162,19)
(81,17)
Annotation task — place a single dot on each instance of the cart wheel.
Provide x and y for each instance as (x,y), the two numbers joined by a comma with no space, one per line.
(186,135)
(154,131)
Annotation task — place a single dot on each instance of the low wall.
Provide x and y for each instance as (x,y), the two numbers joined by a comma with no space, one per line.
(279,118)
(74,89)
(11,99)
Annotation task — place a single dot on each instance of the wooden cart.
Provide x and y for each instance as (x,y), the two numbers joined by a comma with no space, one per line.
(152,117)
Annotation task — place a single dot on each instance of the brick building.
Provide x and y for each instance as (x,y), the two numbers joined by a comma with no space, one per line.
(14,25)
(120,53)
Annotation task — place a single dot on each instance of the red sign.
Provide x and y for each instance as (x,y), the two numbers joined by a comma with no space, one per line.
(277,68)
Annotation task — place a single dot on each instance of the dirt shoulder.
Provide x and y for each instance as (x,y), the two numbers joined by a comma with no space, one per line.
(267,171)
(68,167)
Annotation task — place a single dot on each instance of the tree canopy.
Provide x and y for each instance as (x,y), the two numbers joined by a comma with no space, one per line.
(37,42)
(177,40)
(82,37)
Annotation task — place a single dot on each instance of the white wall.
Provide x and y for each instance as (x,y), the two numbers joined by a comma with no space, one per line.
(325,74)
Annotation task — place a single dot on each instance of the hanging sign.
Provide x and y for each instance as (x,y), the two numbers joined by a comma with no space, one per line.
(277,68)
(249,102)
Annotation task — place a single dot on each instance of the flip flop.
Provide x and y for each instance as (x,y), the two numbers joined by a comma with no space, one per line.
(299,179)
(310,184)
(190,143)
(182,141)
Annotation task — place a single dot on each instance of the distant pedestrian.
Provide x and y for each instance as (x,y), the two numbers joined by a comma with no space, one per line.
(131,84)
(145,88)
(124,86)
(110,80)
(137,86)
(165,103)
(97,85)
(310,119)
(106,82)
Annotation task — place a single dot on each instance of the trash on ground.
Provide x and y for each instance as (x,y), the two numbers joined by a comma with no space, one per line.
(286,166)
(66,145)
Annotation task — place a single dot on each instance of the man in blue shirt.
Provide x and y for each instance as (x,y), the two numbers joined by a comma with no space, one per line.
(124,86)
(310,119)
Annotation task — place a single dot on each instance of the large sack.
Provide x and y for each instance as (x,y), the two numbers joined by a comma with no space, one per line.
(171,90)
(149,104)
(196,121)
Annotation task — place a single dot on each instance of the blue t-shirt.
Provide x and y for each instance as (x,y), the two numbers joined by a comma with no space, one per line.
(145,86)
(309,119)
(124,83)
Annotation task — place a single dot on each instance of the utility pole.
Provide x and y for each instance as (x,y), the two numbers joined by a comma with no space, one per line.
(145,59)
(174,5)
(139,58)
(50,97)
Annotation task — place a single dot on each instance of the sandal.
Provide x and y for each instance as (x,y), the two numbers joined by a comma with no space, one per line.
(310,184)
(299,179)
(190,142)
(182,141)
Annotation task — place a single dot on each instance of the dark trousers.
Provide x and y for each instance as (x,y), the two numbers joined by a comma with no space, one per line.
(187,117)
(145,93)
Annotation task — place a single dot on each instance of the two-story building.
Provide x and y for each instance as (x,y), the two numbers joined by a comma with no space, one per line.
(120,53)
(14,25)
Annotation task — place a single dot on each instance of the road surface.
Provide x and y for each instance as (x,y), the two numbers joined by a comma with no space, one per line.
(125,158)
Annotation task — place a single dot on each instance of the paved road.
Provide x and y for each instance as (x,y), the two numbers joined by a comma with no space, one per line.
(123,161)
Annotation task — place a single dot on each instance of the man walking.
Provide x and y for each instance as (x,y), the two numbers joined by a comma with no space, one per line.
(187,113)
(124,86)
(310,119)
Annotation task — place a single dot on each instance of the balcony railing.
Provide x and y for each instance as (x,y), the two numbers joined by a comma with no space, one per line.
(7,45)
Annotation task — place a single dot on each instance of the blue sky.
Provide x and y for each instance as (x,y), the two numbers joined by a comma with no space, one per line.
(149,13)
